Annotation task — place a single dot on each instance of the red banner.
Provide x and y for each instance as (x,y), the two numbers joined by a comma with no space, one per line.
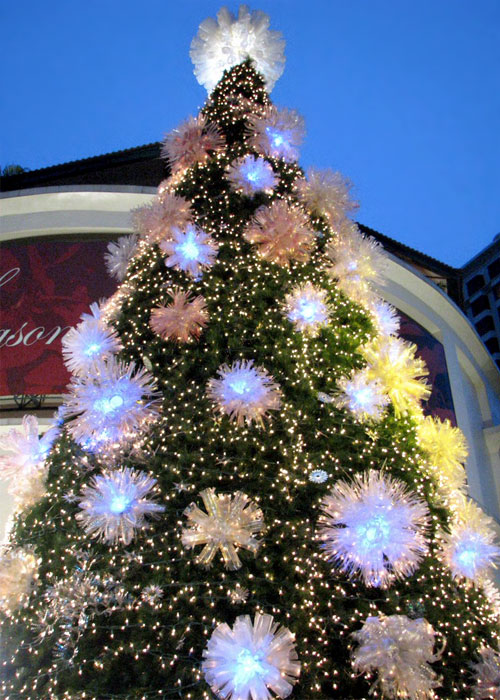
(45,285)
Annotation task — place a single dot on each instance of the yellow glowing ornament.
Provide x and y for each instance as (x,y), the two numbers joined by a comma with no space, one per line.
(393,362)
(447,450)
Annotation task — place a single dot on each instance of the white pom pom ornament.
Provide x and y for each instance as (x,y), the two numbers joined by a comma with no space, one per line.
(222,44)
(248,660)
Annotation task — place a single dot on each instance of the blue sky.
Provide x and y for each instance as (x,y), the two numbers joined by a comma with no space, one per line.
(403,97)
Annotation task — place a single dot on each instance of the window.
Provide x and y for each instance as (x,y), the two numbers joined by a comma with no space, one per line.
(492,345)
(494,268)
(481,304)
(485,325)
(475,284)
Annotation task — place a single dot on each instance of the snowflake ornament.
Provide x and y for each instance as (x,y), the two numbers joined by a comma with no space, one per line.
(446,449)
(191,251)
(114,505)
(327,193)
(238,594)
(362,396)
(28,449)
(281,232)
(392,361)
(230,522)
(247,661)
(152,594)
(222,44)
(182,320)
(374,527)
(156,221)
(306,307)
(250,174)
(358,262)
(119,255)
(192,142)
(487,674)
(318,476)
(245,393)
(18,576)
(276,133)
(91,340)
(112,404)
(399,650)
(469,549)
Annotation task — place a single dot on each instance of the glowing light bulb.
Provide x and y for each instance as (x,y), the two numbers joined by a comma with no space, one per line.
(92,349)
(276,137)
(248,666)
(375,531)
(188,248)
(119,504)
(309,310)
(239,385)
(109,405)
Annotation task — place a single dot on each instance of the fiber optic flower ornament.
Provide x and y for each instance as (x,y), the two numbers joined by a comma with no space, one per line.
(306,307)
(326,193)
(91,340)
(374,527)
(182,320)
(244,393)
(363,397)
(357,262)
(250,174)
(156,221)
(222,44)
(230,522)
(28,450)
(18,575)
(392,361)
(115,505)
(276,133)
(247,661)
(191,251)
(385,316)
(281,232)
(118,256)
(112,404)
(487,674)
(192,142)
(469,549)
(399,650)
(447,451)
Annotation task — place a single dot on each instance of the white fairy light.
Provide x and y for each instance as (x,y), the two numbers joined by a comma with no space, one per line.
(276,133)
(362,396)
(245,393)
(399,650)
(114,505)
(375,527)
(250,174)
(230,522)
(191,251)
(222,44)
(110,405)
(306,307)
(119,255)
(248,661)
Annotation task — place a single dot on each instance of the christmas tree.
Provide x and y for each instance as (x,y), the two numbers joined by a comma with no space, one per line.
(241,496)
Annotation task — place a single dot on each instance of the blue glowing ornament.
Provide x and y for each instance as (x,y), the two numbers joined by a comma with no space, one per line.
(276,133)
(88,342)
(244,392)
(363,397)
(191,250)
(250,174)
(110,405)
(115,505)
(247,661)
(307,309)
(374,527)
(471,553)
